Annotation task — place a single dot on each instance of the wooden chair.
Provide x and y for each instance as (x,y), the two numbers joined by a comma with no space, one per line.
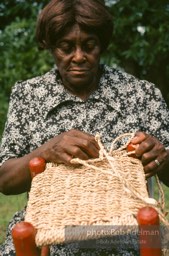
(24,233)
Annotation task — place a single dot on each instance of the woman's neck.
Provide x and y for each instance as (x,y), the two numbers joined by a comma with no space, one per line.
(83,92)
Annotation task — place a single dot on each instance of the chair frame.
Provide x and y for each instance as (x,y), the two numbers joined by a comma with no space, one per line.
(24,233)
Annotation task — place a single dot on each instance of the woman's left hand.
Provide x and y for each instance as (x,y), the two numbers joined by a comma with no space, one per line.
(152,153)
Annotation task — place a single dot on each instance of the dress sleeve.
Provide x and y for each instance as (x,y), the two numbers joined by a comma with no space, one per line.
(16,136)
(154,113)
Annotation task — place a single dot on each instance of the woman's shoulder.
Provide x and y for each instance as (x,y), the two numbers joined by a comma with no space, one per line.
(119,77)
(119,80)
(35,82)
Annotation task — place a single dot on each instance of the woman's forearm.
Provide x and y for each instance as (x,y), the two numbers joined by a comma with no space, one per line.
(15,176)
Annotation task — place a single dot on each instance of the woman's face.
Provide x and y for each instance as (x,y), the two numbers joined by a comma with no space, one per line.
(77,56)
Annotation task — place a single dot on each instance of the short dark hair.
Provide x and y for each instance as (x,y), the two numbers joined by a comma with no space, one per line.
(58,15)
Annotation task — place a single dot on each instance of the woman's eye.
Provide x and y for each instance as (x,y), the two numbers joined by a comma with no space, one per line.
(65,47)
(90,45)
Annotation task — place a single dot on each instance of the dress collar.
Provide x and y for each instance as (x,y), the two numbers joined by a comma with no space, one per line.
(56,93)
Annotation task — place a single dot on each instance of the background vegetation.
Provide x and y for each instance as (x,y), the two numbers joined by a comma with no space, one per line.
(140,45)
(8,206)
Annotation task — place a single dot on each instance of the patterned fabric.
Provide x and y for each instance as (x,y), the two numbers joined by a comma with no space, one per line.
(40,108)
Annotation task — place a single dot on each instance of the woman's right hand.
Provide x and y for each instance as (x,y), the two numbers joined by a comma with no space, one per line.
(15,176)
(68,145)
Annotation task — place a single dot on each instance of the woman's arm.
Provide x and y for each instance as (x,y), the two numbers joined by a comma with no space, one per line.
(14,173)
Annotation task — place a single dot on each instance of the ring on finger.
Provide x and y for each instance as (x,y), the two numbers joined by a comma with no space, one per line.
(157,162)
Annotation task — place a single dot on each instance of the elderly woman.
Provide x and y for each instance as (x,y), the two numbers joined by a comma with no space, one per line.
(56,115)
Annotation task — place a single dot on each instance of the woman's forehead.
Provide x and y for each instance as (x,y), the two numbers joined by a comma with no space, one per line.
(76,32)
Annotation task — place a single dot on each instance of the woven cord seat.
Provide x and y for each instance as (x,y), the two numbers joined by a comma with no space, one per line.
(65,201)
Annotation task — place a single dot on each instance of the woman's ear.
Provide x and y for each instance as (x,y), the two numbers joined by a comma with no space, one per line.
(44,44)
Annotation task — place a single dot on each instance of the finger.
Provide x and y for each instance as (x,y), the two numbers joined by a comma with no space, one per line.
(150,169)
(146,146)
(151,149)
(148,157)
(77,152)
(153,167)
(83,149)
(84,136)
(89,148)
(63,158)
(77,146)
(139,137)
(149,175)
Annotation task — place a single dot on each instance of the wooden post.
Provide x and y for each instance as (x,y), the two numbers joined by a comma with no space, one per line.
(23,235)
(45,251)
(149,232)
(36,166)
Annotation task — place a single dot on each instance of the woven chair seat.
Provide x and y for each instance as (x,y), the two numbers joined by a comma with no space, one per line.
(64,201)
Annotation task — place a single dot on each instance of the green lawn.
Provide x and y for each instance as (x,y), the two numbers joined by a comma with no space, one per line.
(10,204)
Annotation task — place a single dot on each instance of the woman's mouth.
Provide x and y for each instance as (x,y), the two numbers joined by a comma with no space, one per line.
(78,71)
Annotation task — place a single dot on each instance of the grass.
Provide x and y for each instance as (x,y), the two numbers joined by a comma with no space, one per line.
(10,204)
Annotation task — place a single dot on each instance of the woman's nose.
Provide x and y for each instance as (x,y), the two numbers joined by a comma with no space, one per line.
(78,55)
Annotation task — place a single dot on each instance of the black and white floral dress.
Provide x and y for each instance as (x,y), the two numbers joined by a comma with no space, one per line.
(40,108)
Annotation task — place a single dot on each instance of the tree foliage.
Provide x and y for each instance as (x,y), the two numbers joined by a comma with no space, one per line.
(20,57)
(141,40)
(140,43)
